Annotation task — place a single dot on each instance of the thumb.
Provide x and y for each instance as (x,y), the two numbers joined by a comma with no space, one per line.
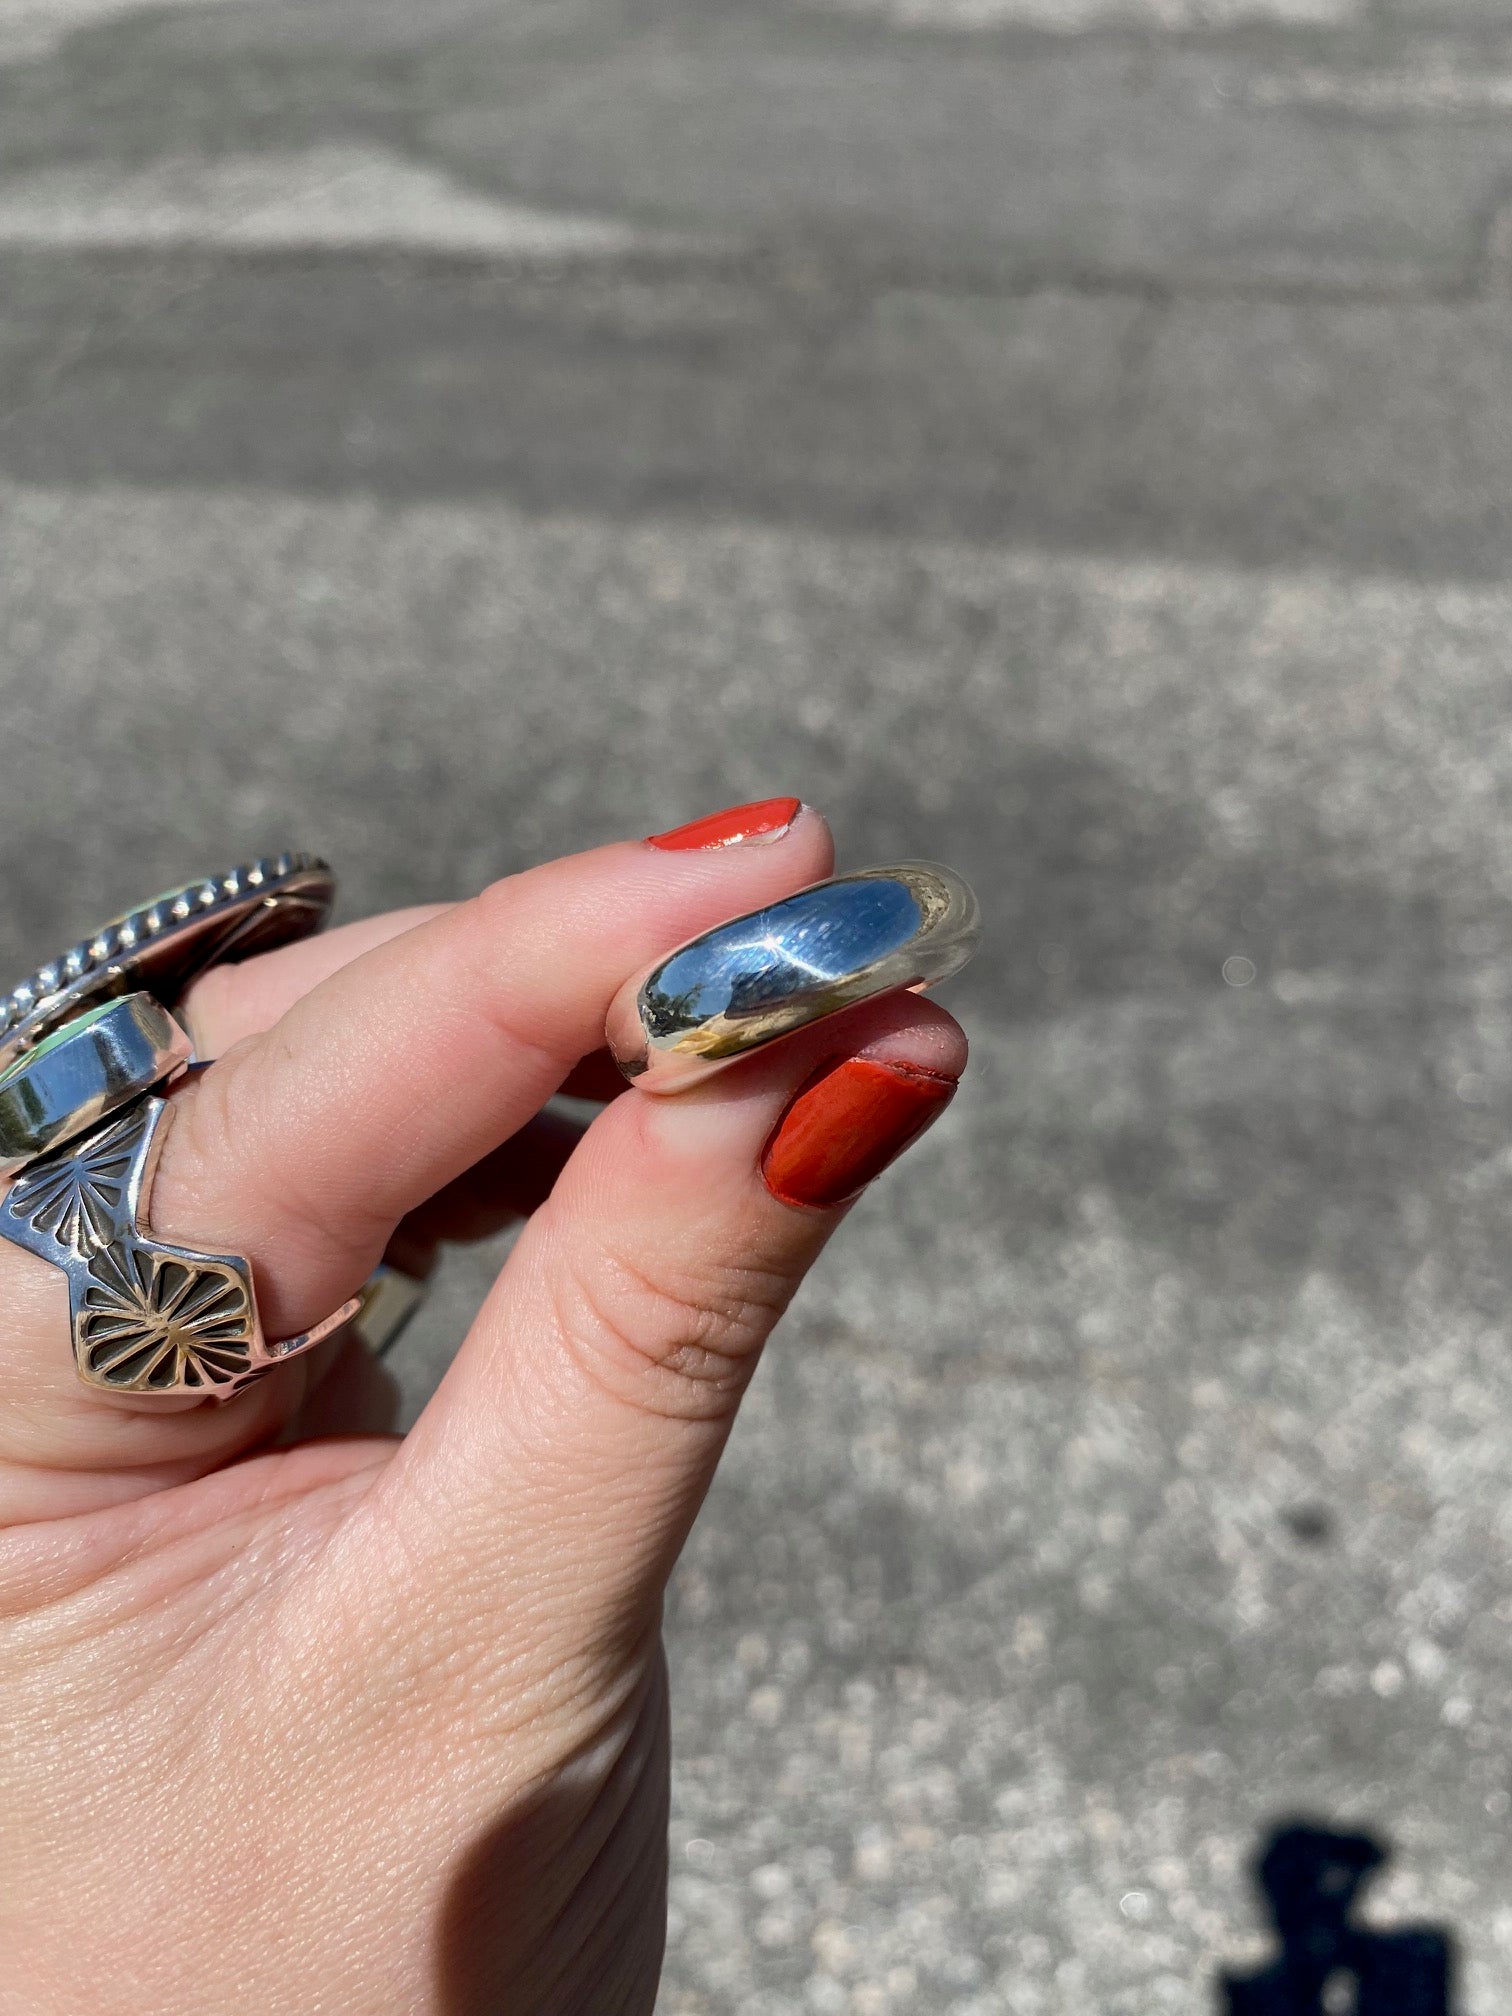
(585,1413)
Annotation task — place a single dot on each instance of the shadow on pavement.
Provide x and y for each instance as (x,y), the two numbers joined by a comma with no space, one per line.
(1331,1965)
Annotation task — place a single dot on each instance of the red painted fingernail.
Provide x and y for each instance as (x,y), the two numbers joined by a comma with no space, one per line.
(766,819)
(846,1124)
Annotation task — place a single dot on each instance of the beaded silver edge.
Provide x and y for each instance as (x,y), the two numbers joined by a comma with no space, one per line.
(123,936)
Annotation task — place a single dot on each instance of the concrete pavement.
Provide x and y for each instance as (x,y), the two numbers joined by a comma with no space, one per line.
(1071,439)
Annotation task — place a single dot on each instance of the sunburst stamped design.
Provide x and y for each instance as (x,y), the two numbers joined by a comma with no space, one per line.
(145,1317)
(150,1318)
(72,1203)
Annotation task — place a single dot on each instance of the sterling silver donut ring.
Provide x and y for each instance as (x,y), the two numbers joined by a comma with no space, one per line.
(764,976)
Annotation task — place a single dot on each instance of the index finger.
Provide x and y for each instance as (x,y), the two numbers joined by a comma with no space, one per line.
(232,1002)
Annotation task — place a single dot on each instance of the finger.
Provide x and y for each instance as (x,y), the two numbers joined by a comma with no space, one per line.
(232,1002)
(304,1147)
(586,1410)
(412,1063)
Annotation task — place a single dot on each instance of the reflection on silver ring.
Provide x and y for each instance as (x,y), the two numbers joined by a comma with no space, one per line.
(83,1072)
(765,975)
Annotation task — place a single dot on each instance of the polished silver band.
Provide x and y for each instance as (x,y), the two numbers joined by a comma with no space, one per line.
(84,1072)
(775,971)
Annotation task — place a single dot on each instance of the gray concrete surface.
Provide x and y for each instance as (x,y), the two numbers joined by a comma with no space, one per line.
(1068,437)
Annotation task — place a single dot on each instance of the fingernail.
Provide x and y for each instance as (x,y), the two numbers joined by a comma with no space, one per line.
(766,819)
(846,1124)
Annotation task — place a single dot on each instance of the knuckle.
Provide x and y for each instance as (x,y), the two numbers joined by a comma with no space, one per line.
(210,1116)
(211,1006)
(676,1343)
(212,1167)
(480,927)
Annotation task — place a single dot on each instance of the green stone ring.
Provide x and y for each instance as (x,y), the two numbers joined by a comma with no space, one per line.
(83,1072)
(162,946)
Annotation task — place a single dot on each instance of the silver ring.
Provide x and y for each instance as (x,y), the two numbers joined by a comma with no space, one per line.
(387,1300)
(83,1072)
(774,971)
(146,1317)
(81,1139)
(165,944)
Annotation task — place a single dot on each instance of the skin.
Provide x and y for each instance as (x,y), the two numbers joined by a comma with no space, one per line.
(306,1720)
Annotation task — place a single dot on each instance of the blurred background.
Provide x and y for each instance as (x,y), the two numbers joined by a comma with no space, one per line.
(1070,438)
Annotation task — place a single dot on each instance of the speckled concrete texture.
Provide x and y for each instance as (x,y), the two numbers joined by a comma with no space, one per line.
(1071,440)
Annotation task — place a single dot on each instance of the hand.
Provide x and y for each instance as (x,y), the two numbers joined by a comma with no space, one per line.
(352,1724)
